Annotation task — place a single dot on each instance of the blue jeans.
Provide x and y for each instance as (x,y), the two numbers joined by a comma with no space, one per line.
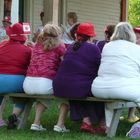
(11,84)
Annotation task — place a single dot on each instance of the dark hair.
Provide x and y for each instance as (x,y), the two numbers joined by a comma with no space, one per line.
(73,31)
(76,45)
(72,15)
(80,38)
(109,30)
(42,14)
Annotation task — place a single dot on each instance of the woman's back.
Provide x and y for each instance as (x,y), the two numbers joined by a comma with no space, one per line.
(14,58)
(77,71)
(119,65)
(81,62)
(45,63)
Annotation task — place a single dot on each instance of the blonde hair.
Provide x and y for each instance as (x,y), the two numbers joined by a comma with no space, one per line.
(50,38)
(124,31)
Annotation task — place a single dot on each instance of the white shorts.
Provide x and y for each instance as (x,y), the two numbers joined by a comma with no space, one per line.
(37,86)
(130,93)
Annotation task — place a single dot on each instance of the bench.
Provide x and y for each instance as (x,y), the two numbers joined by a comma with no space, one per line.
(113,108)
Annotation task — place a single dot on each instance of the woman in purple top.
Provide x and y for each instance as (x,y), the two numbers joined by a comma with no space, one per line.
(75,75)
(108,31)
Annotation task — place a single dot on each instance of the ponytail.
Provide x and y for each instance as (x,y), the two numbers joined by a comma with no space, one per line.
(77,45)
(80,38)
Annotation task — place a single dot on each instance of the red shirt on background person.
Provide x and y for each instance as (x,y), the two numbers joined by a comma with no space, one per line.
(137,32)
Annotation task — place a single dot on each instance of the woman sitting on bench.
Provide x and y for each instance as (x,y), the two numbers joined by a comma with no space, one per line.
(119,71)
(45,60)
(14,61)
(74,78)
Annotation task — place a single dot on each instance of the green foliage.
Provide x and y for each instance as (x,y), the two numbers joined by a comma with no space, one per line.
(134,12)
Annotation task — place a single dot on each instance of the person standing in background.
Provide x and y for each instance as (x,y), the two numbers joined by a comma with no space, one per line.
(137,32)
(6,23)
(72,20)
(39,28)
(108,31)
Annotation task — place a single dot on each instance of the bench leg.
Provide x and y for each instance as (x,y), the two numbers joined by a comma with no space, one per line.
(138,108)
(25,115)
(5,99)
(114,123)
(108,116)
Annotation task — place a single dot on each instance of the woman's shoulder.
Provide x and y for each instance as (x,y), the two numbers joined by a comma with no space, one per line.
(27,49)
(128,43)
(121,45)
(92,46)
(60,48)
(61,45)
(88,44)
(92,50)
(37,46)
(100,42)
(4,43)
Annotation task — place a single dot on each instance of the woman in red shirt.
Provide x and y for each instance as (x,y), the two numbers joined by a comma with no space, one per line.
(45,60)
(14,61)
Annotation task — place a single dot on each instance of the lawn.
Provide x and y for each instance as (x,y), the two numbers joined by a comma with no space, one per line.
(49,120)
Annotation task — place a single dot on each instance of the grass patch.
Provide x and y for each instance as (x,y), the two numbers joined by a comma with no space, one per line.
(49,120)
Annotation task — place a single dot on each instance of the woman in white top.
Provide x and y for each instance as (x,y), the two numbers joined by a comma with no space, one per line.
(119,71)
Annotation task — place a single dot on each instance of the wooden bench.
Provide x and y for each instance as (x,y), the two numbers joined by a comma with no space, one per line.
(113,108)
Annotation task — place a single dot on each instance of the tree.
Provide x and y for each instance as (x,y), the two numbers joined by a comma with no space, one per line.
(134,12)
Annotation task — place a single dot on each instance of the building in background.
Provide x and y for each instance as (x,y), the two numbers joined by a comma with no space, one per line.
(99,12)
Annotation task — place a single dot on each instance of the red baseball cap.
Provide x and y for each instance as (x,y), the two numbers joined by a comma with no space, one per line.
(86,29)
(7,19)
(16,32)
(137,29)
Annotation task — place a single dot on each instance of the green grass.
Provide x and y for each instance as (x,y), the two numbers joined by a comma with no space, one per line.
(49,120)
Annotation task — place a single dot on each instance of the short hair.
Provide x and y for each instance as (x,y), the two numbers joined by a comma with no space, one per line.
(109,30)
(42,14)
(124,31)
(72,15)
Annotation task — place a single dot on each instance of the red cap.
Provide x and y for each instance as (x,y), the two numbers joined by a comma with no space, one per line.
(137,29)
(7,19)
(16,32)
(86,29)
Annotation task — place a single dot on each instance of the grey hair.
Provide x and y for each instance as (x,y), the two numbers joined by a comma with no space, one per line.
(124,31)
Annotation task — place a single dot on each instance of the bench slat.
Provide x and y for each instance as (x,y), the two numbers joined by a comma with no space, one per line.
(23,95)
(113,107)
